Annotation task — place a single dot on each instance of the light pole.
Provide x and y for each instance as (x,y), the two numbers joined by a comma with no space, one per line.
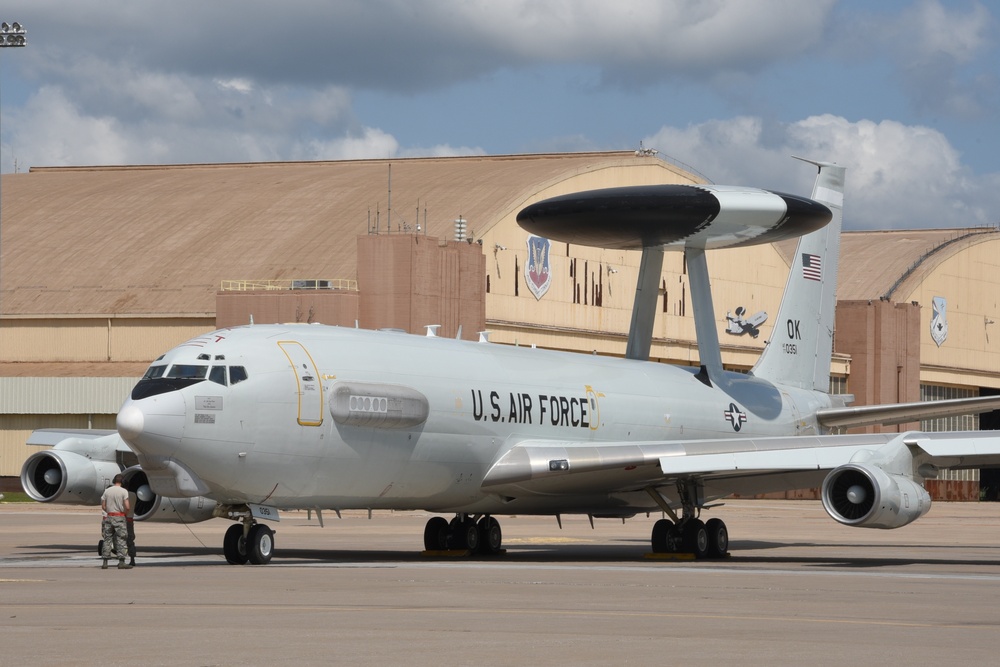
(11,34)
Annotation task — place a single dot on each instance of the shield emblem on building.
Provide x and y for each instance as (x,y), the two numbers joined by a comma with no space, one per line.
(939,320)
(537,272)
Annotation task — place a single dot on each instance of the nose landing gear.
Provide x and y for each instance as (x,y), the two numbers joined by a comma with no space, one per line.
(248,542)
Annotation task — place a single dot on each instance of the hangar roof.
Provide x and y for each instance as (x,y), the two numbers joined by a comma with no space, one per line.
(148,241)
(892,263)
(157,241)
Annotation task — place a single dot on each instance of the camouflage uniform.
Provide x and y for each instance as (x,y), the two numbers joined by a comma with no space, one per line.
(116,532)
(115,502)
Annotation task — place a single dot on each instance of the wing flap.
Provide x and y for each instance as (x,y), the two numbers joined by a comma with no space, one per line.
(958,449)
(757,461)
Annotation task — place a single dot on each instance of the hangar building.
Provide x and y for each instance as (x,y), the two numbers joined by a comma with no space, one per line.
(102,269)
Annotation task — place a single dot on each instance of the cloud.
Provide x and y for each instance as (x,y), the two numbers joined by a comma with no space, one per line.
(898,176)
(227,122)
(405,46)
(51,131)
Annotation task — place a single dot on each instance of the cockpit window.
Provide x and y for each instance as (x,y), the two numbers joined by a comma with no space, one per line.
(218,375)
(187,372)
(154,372)
(237,374)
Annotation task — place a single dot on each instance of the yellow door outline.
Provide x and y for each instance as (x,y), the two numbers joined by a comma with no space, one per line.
(307,382)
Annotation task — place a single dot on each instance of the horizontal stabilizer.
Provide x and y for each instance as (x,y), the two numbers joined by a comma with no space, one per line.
(900,413)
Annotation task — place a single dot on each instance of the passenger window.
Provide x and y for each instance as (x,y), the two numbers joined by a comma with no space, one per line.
(218,375)
(237,374)
(188,372)
(154,372)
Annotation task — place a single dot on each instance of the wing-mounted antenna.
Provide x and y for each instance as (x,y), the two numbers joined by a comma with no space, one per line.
(692,218)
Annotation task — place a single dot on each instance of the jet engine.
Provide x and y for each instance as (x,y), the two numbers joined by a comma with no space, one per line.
(66,477)
(865,496)
(150,506)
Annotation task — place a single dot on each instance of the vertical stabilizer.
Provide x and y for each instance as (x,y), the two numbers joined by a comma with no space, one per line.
(801,344)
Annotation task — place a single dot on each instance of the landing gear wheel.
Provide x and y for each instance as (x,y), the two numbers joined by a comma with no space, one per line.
(695,538)
(666,537)
(436,534)
(490,536)
(718,538)
(260,544)
(100,548)
(234,546)
(659,537)
(464,535)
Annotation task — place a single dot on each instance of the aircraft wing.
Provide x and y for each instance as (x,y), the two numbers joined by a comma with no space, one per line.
(50,437)
(741,465)
(900,413)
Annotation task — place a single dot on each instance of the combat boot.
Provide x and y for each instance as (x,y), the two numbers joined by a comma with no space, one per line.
(104,565)
(122,565)
(131,561)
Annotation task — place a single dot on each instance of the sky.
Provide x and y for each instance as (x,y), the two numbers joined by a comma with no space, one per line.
(906,95)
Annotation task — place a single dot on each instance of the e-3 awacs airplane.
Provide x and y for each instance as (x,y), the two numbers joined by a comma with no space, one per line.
(248,420)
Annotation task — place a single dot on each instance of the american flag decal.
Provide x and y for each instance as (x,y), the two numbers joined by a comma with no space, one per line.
(812,267)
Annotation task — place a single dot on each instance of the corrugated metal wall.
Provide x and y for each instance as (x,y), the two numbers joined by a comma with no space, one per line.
(74,395)
(96,339)
(15,429)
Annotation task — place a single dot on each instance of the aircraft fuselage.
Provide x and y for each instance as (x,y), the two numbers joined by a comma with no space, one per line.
(342,418)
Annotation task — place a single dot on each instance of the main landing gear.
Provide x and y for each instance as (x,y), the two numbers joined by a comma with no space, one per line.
(688,534)
(248,542)
(480,535)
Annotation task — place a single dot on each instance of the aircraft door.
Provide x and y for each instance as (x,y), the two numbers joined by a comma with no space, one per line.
(307,382)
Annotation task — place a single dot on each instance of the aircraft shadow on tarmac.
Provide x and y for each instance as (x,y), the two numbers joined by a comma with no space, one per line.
(620,551)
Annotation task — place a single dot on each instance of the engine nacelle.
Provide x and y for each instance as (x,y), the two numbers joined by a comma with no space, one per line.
(865,496)
(150,506)
(55,476)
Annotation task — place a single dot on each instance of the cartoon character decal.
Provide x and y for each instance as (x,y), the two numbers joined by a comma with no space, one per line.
(739,325)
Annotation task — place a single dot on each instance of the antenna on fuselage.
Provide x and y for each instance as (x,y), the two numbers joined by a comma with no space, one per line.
(692,218)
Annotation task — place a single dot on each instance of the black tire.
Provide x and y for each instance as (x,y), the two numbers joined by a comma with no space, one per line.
(658,539)
(466,536)
(260,544)
(100,547)
(234,546)
(718,538)
(462,535)
(436,534)
(490,536)
(695,538)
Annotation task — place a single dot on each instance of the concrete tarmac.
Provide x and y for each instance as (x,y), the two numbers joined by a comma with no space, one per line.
(798,588)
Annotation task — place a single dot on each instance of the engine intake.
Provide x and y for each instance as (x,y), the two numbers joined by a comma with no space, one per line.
(150,506)
(868,497)
(66,477)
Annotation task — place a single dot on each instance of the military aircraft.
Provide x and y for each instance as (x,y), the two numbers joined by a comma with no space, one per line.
(261,418)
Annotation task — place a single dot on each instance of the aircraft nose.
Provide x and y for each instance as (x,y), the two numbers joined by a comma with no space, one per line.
(130,422)
(153,426)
